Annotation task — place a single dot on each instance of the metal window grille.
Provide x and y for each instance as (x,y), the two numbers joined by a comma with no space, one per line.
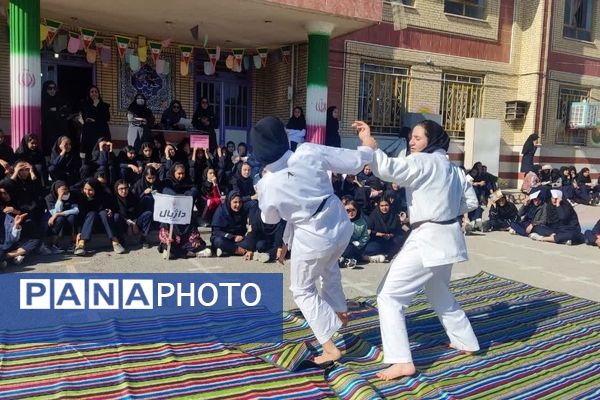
(466,8)
(462,98)
(383,97)
(567,96)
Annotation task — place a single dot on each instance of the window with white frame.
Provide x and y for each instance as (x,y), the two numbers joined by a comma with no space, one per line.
(466,8)
(383,97)
(566,97)
(578,19)
(462,98)
(405,2)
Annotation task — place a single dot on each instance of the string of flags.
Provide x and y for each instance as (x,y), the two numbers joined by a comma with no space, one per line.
(99,48)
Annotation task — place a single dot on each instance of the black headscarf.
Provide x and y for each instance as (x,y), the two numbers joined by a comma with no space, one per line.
(181,186)
(245,186)
(170,117)
(437,138)
(581,179)
(24,153)
(332,127)
(529,146)
(142,184)
(386,223)
(227,220)
(141,111)
(127,207)
(269,140)
(52,197)
(297,123)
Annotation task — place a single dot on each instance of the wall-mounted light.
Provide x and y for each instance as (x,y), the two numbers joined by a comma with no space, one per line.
(56,55)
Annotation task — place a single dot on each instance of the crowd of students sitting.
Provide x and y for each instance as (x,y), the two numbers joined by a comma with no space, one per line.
(72,198)
(548,214)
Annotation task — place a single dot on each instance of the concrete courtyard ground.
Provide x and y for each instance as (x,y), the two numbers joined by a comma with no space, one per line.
(571,269)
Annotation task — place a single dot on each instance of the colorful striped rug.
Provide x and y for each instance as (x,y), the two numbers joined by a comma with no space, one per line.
(535,344)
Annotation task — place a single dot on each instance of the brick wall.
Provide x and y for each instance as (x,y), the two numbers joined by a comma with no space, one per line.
(573,46)
(429,14)
(270,90)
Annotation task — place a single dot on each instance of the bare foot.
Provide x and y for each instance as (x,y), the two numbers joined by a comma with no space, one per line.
(462,351)
(330,353)
(397,370)
(343,316)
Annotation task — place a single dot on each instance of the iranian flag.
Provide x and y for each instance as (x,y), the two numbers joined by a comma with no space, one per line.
(213,55)
(186,53)
(263,52)
(53,27)
(122,44)
(155,49)
(87,37)
(238,54)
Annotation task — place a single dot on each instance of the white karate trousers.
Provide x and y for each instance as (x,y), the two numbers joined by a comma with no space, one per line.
(319,307)
(403,280)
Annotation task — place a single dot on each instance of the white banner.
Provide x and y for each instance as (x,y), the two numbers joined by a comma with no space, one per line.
(175,210)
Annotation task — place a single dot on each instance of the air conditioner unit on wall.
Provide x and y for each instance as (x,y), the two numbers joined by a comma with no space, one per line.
(583,115)
(516,110)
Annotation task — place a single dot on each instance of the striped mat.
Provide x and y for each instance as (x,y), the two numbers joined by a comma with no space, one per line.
(536,344)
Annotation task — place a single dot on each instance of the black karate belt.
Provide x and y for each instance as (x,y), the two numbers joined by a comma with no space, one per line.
(418,224)
(321,206)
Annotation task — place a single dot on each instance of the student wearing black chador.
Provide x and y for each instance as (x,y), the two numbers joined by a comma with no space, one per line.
(29,151)
(385,233)
(103,160)
(502,212)
(7,156)
(242,182)
(265,241)
(95,206)
(65,164)
(567,230)
(592,237)
(96,114)
(128,165)
(148,156)
(27,192)
(62,214)
(536,214)
(130,217)
(146,186)
(229,227)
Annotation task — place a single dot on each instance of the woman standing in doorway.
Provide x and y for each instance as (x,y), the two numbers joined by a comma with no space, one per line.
(437,194)
(55,113)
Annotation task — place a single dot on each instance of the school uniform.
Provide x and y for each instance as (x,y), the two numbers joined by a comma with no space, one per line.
(227,224)
(264,238)
(389,223)
(592,235)
(500,217)
(437,193)
(68,209)
(298,189)
(568,227)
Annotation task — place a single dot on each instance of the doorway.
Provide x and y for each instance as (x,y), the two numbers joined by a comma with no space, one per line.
(72,73)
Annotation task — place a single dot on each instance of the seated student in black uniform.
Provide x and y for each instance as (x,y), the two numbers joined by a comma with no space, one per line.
(265,240)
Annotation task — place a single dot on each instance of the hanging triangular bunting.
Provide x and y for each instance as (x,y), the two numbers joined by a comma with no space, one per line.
(155,49)
(134,62)
(263,52)
(53,27)
(128,53)
(166,42)
(257,62)
(209,69)
(105,55)
(87,37)
(186,53)
(73,45)
(247,63)
(91,56)
(184,68)
(238,54)
(60,43)
(286,51)
(143,53)
(122,44)
(213,56)
(43,32)
(141,41)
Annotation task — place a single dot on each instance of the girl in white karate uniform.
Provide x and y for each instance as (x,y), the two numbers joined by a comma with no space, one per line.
(437,193)
(297,188)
